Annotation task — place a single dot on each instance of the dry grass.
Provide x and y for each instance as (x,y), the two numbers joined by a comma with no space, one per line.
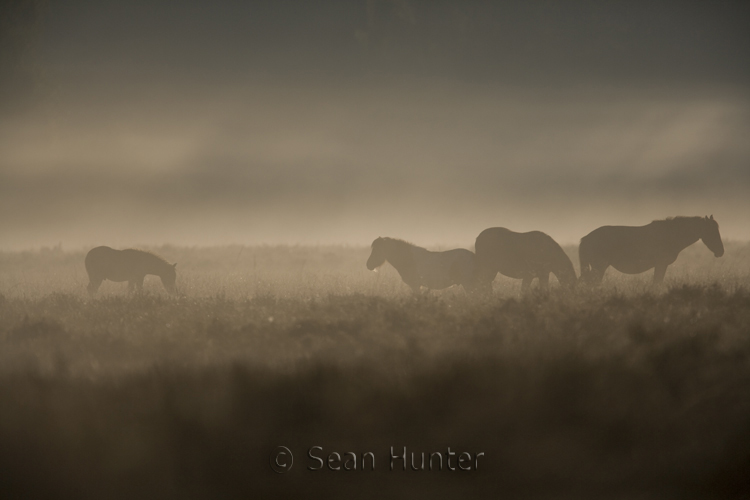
(622,391)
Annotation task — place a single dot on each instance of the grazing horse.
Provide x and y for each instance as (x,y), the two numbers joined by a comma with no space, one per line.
(104,263)
(522,256)
(420,267)
(635,250)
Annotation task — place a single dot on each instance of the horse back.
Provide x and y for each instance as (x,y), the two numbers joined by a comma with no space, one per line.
(516,254)
(117,265)
(623,238)
(97,258)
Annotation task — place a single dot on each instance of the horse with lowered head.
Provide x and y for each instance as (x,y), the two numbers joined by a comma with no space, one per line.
(420,267)
(636,249)
(105,263)
(523,256)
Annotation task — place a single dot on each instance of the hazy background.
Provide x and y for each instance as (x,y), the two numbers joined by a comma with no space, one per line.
(143,122)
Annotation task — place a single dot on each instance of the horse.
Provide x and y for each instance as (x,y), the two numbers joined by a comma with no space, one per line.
(420,267)
(523,256)
(105,263)
(636,249)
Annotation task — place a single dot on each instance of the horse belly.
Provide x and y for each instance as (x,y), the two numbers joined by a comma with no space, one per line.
(435,272)
(515,268)
(634,262)
(119,271)
(120,274)
(636,259)
(505,260)
(516,272)
(633,267)
(435,277)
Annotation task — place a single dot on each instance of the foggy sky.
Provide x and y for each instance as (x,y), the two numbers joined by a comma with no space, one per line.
(337,122)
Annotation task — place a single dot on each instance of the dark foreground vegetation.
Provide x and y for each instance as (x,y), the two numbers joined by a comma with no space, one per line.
(618,392)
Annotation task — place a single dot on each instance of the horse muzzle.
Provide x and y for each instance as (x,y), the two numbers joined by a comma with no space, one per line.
(373,267)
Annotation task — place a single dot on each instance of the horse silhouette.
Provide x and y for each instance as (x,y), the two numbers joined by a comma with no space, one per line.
(636,249)
(523,256)
(419,267)
(105,263)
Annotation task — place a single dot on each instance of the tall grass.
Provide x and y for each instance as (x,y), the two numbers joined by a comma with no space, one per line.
(620,391)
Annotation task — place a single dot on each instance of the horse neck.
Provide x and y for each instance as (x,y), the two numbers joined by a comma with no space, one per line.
(156,266)
(564,270)
(685,232)
(398,254)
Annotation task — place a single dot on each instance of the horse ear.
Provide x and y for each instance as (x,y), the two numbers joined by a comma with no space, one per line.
(174,265)
(712,216)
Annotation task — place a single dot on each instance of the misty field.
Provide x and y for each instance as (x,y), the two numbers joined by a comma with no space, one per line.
(621,391)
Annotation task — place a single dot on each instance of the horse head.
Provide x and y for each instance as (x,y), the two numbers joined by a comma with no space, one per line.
(711,237)
(169,277)
(377,257)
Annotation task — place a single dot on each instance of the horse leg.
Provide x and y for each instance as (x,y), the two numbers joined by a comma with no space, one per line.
(482,280)
(94,284)
(659,272)
(544,281)
(596,275)
(479,282)
(136,284)
(586,276)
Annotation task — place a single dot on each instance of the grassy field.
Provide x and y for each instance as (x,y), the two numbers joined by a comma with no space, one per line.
(623,391)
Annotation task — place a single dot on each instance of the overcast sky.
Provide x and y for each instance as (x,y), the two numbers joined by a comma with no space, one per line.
(127,123)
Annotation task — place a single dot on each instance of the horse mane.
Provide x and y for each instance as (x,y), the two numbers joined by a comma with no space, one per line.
(395,240)
(676,220)
(152,254)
